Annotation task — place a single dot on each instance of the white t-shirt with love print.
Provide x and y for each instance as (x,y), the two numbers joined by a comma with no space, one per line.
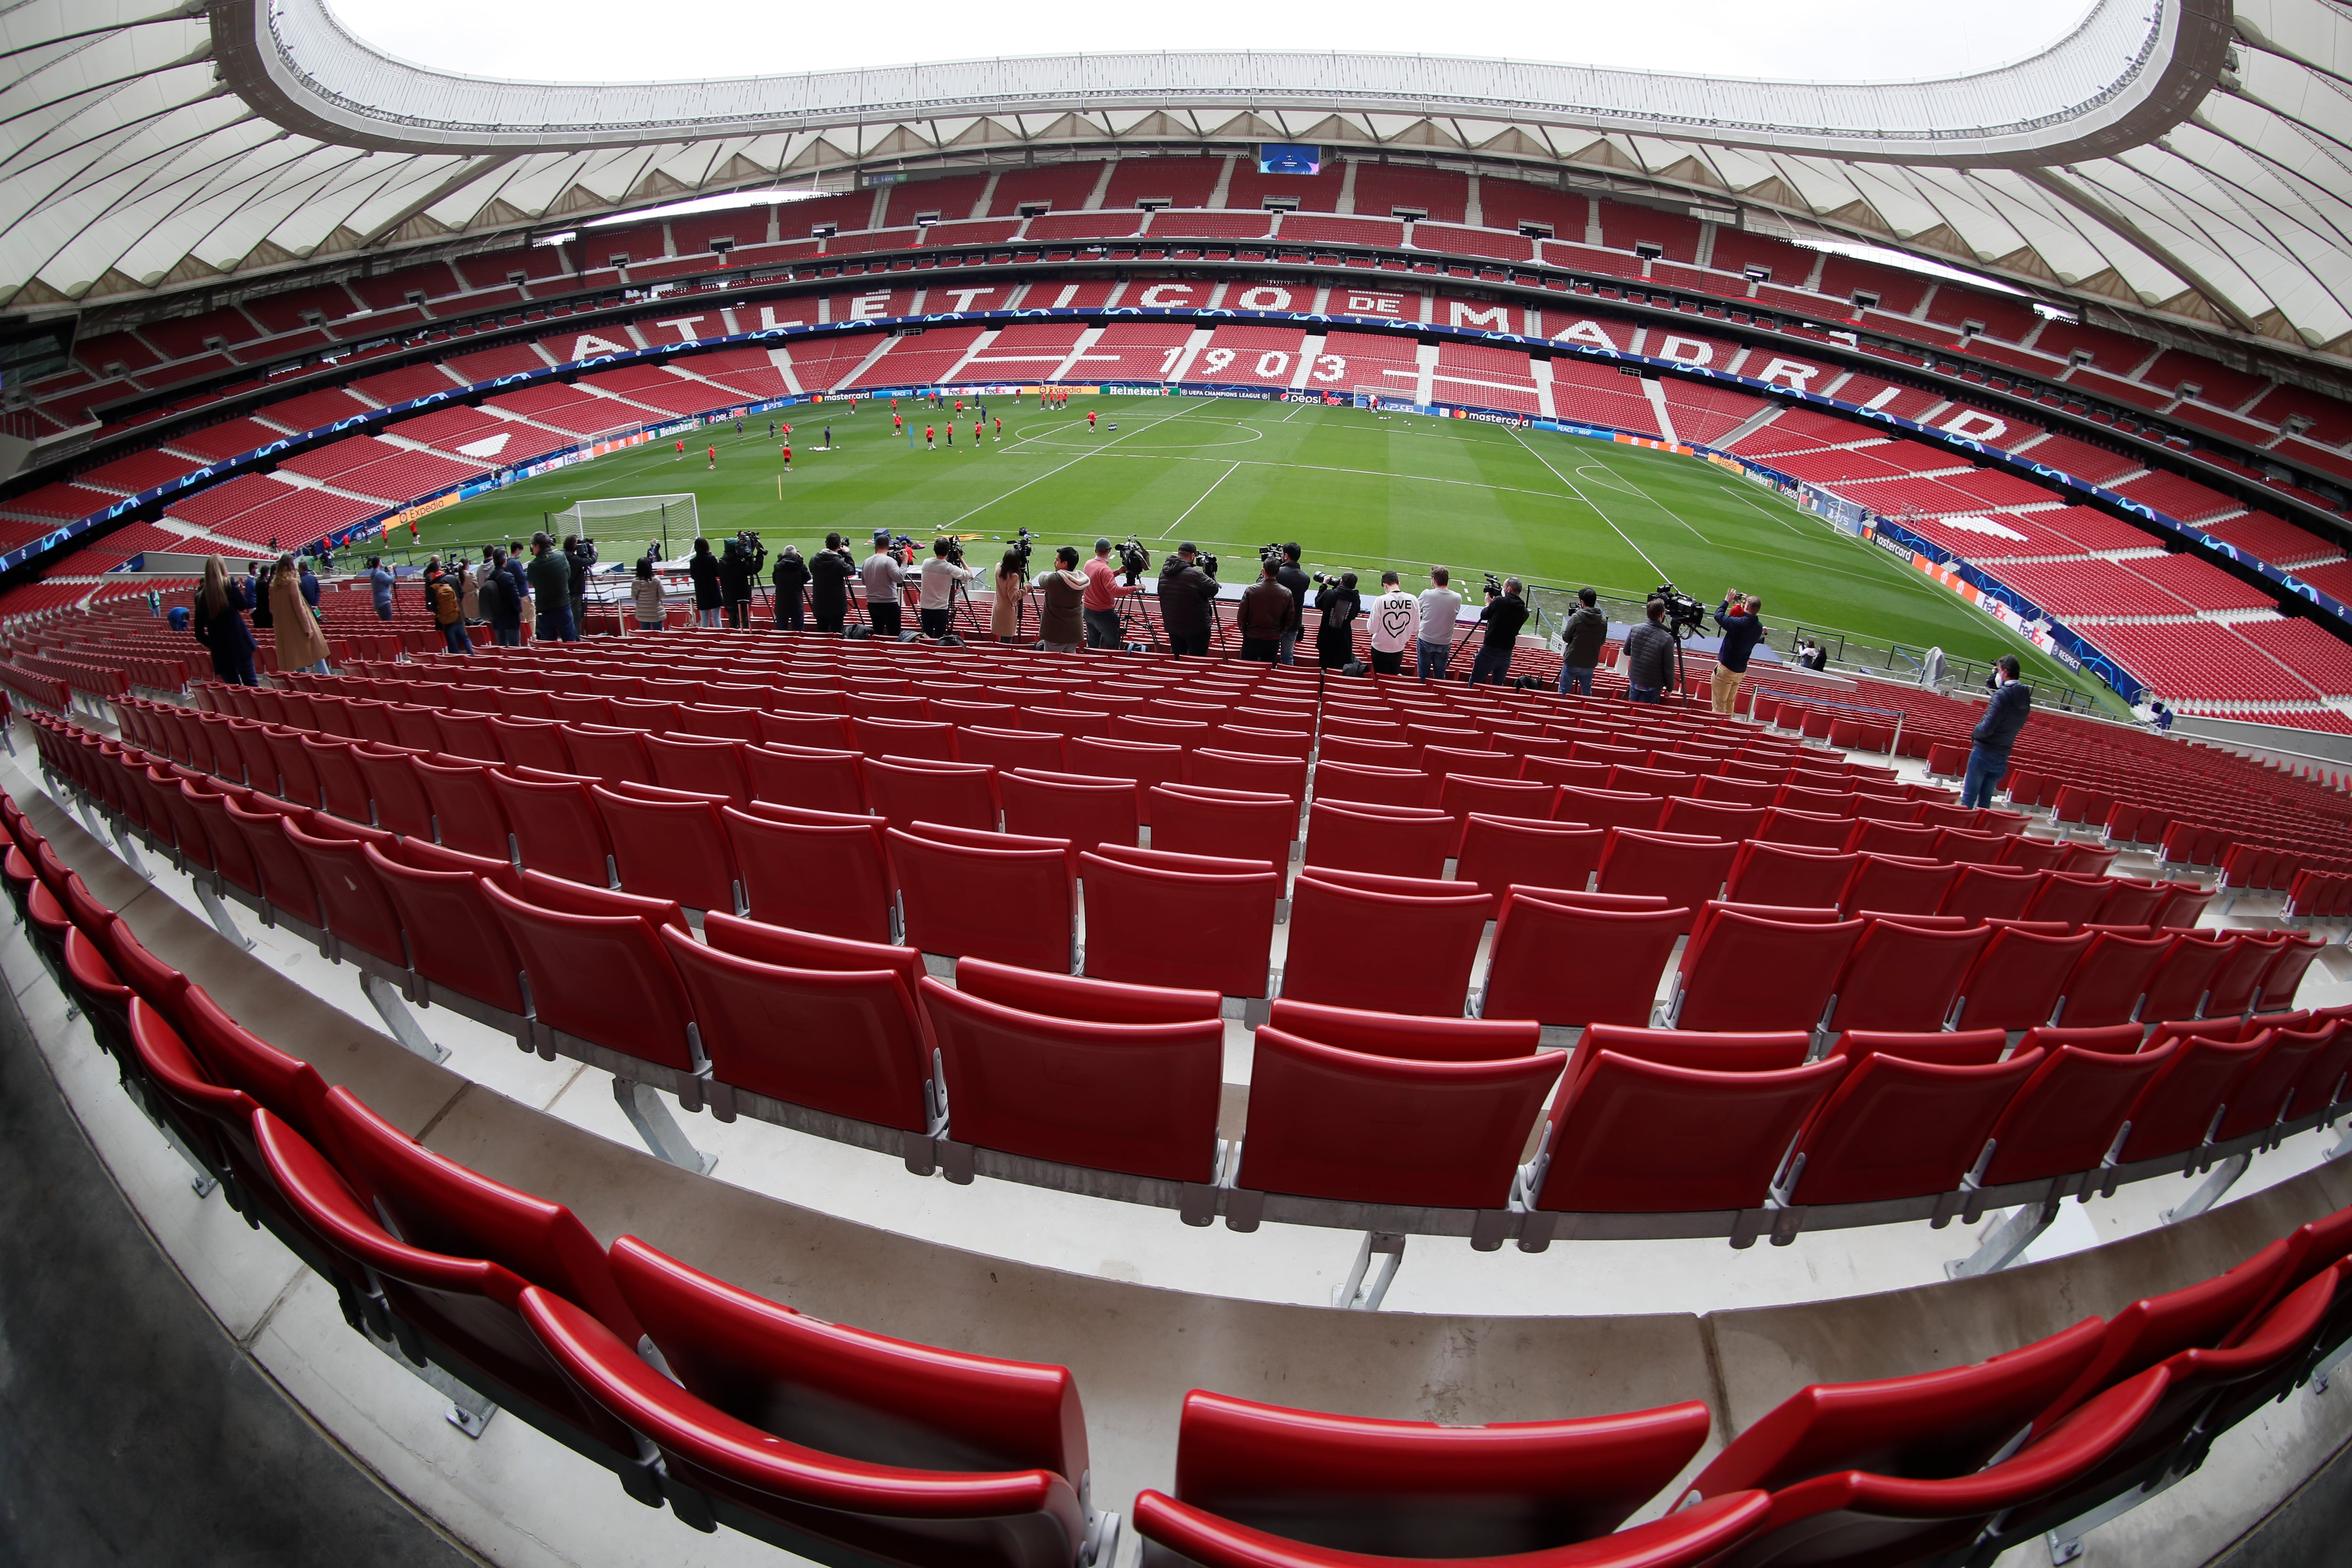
(1394,618)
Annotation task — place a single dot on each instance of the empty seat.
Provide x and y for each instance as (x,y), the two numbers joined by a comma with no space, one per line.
(1145,762)
(1138,1098)
(950,795)
(1011,899)
(1686,871)
(343,788)
(466,813)
(1006,749)
(557,829)
(398,799)
(1902,976)
(1215,769)
(1264,1485)
(1192,820)
(2261,1093)
(1404,841)
(1817,830)
(674,849)
(1497,852)
(2110,979)
(1791,875)
(1630,1136)
(984,1465)
(605,980)
(1331,1123)
(1337,782)
(811,871)
(1223,910)
(1742,971)
(2066,897)
(702,765)
(1397,1034)
(1901,1129)
(845,1042)
(1713,819)
(2019,979)
(1608,808)
(528,742)
(2284,977)
(457,945)
(1980,892)
(1087,811)
(812,779)
(360,920)
(1386,951)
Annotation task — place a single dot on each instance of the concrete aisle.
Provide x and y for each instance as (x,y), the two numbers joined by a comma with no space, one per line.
(132,1429)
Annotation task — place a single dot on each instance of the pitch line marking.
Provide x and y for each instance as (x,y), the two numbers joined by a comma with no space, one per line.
(1589,501)
(1059,467)
(1205,494)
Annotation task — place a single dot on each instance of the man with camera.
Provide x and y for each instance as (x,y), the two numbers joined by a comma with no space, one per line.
(1291,577)
(580,554)
(737,567)
(1187,591)
(1506,614)
(1102,598)
(881,576)
(942,574)
(1649,655)
(830,570)
(1267,613)
(1580,637)
(551,583)
(1741,618)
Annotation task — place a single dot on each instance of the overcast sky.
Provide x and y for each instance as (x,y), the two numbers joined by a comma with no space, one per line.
(610,40)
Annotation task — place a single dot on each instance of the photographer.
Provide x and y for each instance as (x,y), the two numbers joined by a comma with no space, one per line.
(550,585)
(1649,655)
(1061,625)
(1267,614)
(1335,636)
(1186,592)
(881,574)
(1102,595)
(791,576)
(380,584)
(1292,578)
(1004,605)
(582,556)
(1579,643)
(1996,733)
(736,569)
(941,577)
(830,570)
(1741,618)
(1439,607)
(703,569)
(1506,614)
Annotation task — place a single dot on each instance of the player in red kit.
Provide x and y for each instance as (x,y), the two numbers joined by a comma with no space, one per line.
(681,451)
(976,429)
(1090,419)
(788,456)
(714,457)
(929,444)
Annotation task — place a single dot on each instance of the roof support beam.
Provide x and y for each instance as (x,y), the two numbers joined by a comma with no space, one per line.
(446,188)
(2075,196)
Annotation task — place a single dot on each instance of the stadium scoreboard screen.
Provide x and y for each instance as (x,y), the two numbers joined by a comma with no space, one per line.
(1289,158)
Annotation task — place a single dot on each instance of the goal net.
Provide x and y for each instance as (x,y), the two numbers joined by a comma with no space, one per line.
(1383,398)
(632,520)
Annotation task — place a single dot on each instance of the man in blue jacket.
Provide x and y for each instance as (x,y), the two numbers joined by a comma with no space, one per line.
(1742,621)
(1996,732)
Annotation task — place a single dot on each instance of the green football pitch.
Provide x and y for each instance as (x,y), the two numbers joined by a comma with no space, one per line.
(1362,491)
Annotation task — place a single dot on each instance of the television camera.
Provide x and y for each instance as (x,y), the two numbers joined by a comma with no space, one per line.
(1134,560)
(1686,617)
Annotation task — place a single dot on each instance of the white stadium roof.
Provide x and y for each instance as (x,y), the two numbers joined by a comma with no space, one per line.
(2178,156)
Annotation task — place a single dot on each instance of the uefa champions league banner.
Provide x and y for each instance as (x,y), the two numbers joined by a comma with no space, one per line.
(605,353)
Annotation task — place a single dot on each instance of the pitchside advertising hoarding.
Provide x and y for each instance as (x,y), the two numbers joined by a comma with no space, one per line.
(1762,372)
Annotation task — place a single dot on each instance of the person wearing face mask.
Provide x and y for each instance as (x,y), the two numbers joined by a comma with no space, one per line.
(1996,732)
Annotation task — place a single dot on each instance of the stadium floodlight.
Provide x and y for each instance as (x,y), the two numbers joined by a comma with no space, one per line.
(634,519)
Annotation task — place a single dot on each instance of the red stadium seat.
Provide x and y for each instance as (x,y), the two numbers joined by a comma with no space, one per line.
(557,828)
(1566,965)
(2019,980)
(614,755)
(1902,976)
(2110,979)
(457,945)
(1982,892)
(1630,1136)
(1225,910)
(1190,819)
(532,743)
(1899,1129)
(673,849)
(699,765)
(1403,841)
(2066,1117)
(1013,900)
(1389,953)
(948,795)
(1326,1123)
(1264,1485)
(844,1042)
(1397,1034)
(811,779)
(1686,871)
(1743,972)
(1497,852)
(1006,749)
(466,813)
(811,871)
(1608,808)
(1344,782)
(1789,875)
(1138,1098)
(605,981)
(1213,768)
(1087,811)
(2261,1094)
(343,788)
(398,799)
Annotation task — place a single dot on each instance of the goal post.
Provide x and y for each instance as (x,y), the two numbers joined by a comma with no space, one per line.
(1385,399)
(633,520)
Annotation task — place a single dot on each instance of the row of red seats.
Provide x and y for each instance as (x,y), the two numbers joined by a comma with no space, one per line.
(616,978)
(989,1464)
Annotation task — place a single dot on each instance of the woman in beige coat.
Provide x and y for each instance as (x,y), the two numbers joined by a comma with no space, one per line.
(300,643)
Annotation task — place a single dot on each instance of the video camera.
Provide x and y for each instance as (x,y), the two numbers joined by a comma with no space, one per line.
(1024,542)
(1494,586)
(585,548)
(1324,579)
(1685,615)
(955,550)
(1134,560)
(1273,552)
(748,543)
(1205,562)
